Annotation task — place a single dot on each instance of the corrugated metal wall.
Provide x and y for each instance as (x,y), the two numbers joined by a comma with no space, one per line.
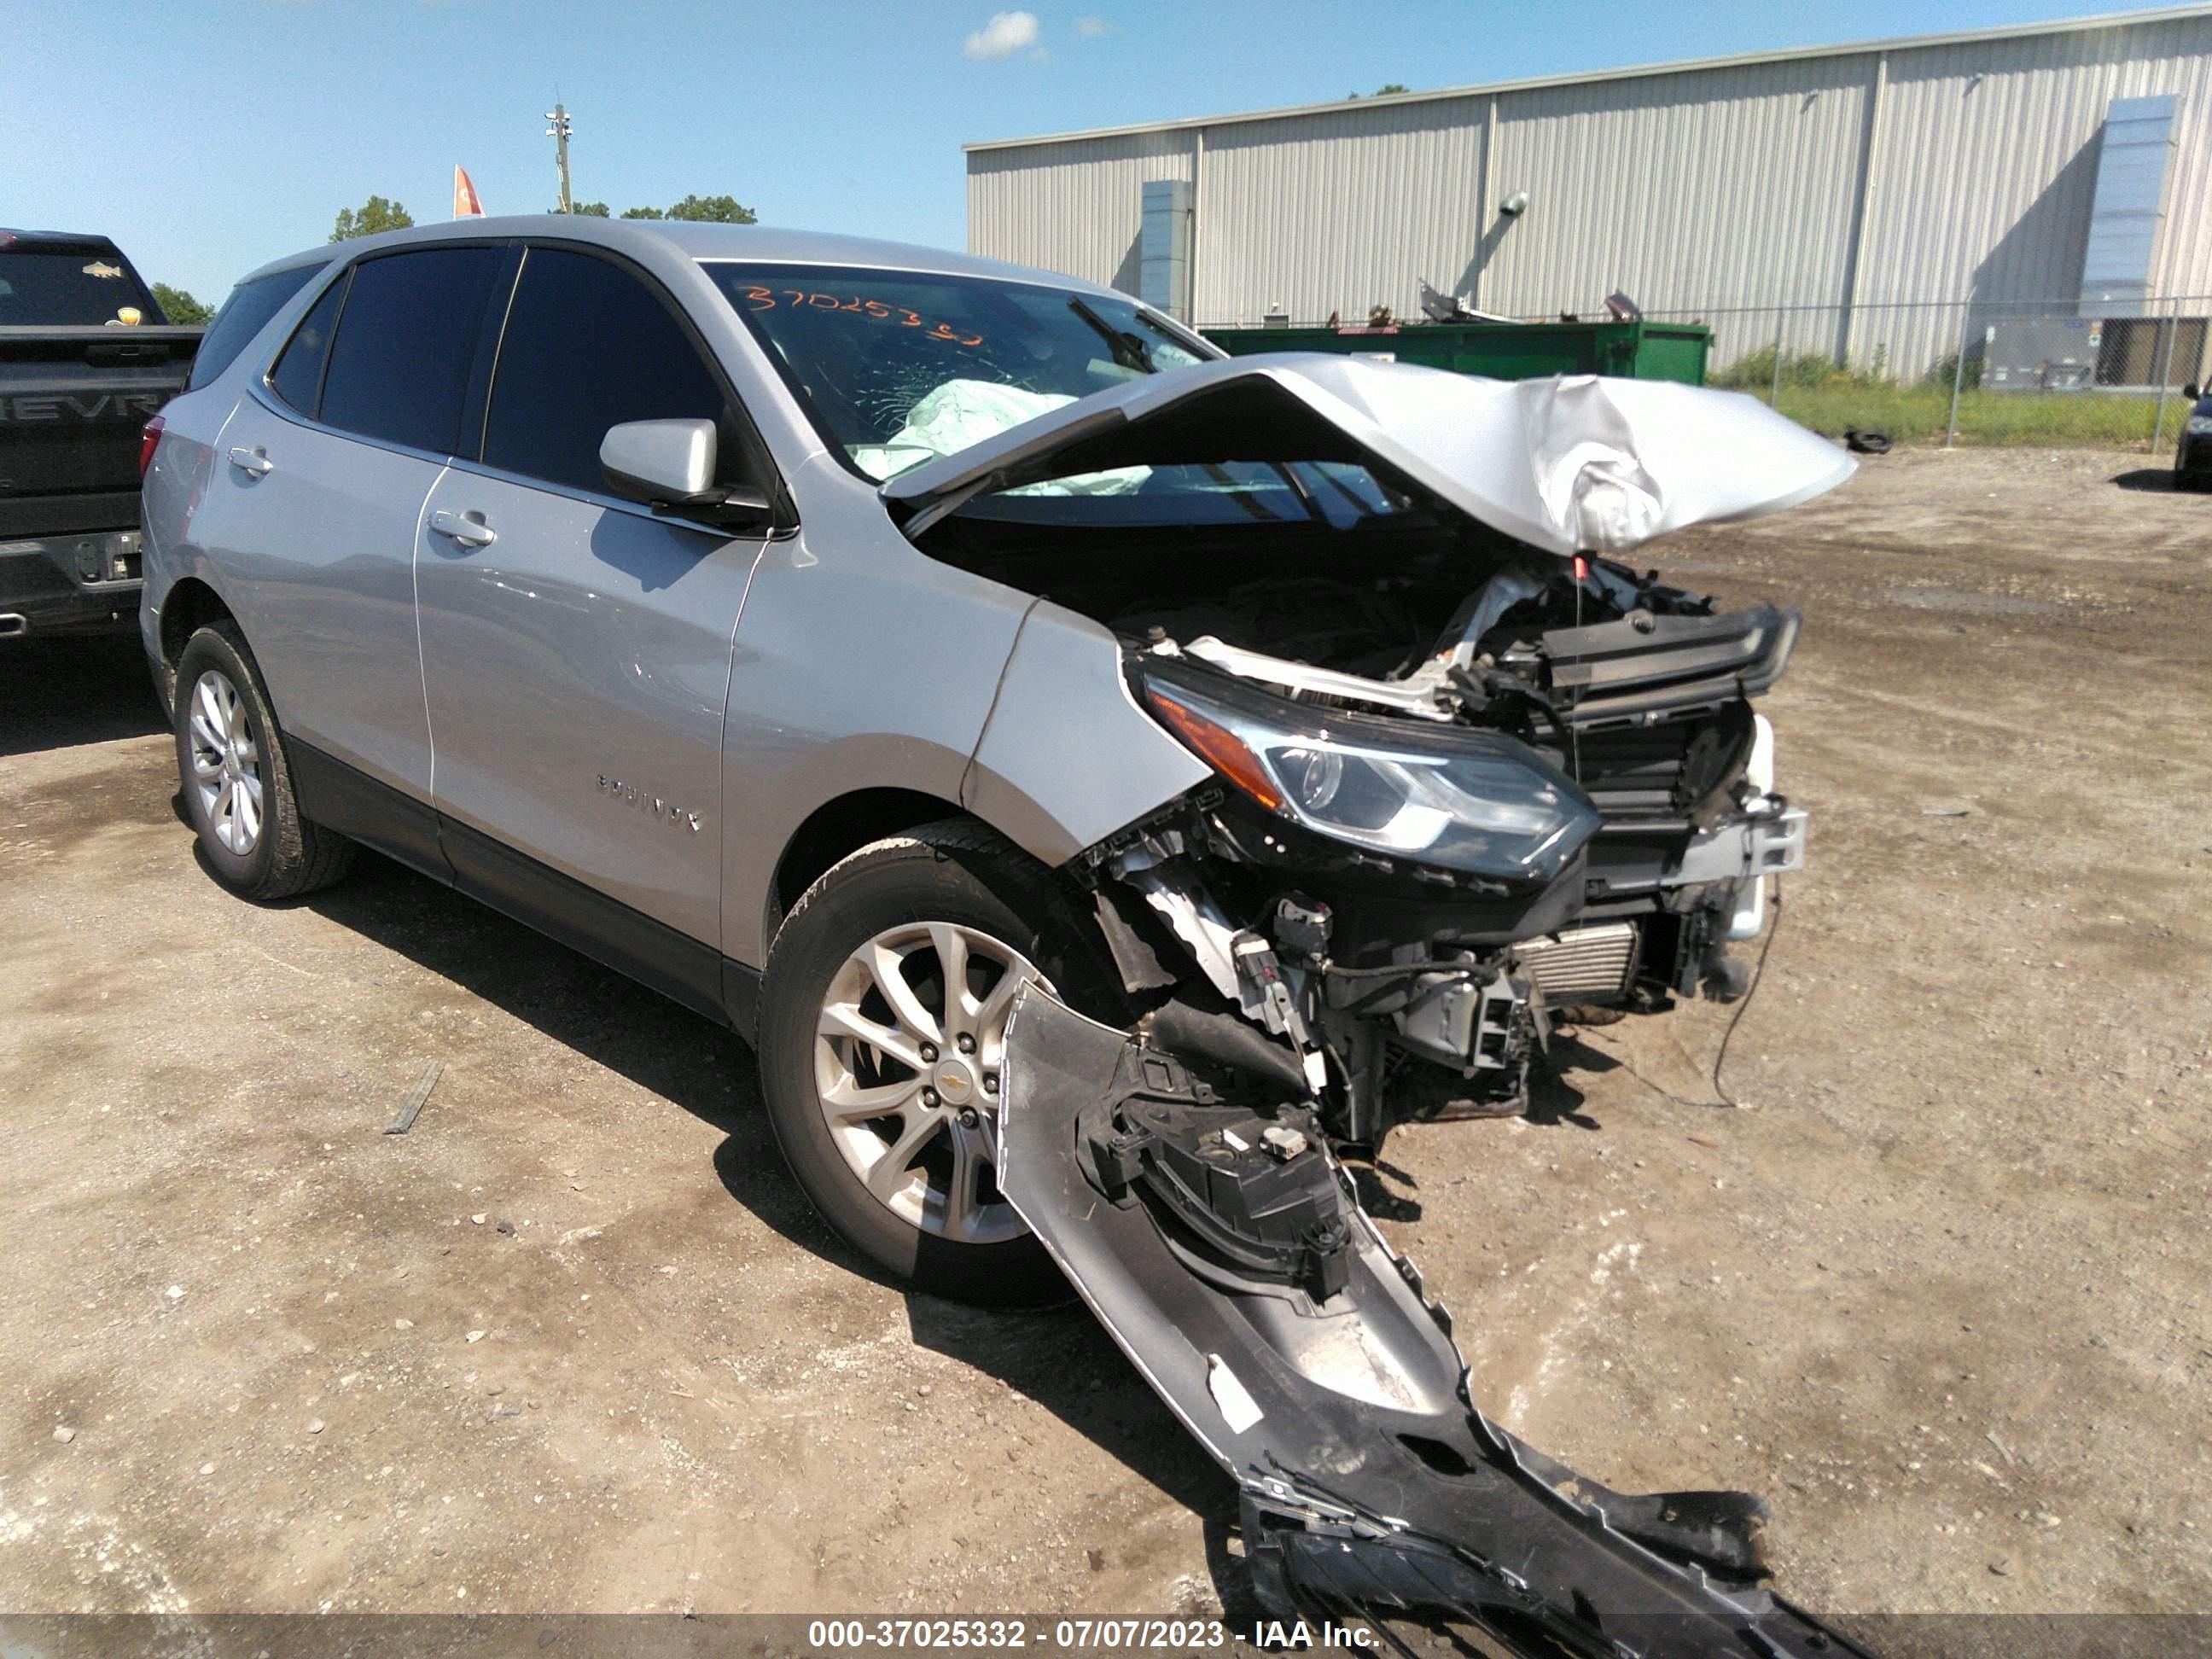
(1076,208)
(1289,214)
(1846,182)
(1729,187)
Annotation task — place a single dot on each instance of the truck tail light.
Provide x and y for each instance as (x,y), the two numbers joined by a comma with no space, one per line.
(149,439)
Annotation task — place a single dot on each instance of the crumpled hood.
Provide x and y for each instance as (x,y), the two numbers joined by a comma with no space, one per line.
(1580,463)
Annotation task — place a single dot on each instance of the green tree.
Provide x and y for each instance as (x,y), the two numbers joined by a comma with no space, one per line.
(586,209)
(643,213)
(179,307)
(1382,91)
(713,210)
(372,216)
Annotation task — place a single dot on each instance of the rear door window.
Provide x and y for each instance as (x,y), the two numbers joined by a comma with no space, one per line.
(298,376)
(589,345)
(244,314)
(399,366)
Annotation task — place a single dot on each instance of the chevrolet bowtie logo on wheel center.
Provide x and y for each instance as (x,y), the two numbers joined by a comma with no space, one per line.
(956,1080)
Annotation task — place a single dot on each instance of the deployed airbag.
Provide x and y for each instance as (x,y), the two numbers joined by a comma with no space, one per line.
(962,413)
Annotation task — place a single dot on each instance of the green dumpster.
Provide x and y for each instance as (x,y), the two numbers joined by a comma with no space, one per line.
(1503,351)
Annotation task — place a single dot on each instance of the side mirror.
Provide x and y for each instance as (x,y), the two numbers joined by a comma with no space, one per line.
(669,466)
(2192,391)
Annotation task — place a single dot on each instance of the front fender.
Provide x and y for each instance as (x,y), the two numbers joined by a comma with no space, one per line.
(1068,758)
(858,664)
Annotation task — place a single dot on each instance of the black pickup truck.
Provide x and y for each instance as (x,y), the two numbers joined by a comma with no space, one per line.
(87,358)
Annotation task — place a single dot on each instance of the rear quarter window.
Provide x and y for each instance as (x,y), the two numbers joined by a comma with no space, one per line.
(399,366)
(298,377)
(244,314)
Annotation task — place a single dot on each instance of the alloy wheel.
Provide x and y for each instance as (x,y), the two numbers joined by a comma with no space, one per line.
(226,763)
(907,1055)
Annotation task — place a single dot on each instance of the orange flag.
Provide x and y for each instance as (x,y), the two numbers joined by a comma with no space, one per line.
(465,204)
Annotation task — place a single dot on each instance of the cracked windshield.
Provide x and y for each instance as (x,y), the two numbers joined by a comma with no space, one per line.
(896,368)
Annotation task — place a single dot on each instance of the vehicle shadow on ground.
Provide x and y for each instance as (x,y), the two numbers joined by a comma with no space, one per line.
(1387,1192)
(602,1015)
(60,694)
(2154,480)
(1063,1359)
(1553,1099)
(1060,1358)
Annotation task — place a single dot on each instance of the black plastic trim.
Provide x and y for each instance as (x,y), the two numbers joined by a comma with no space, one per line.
(343,798)
(1613,673)
(581,917)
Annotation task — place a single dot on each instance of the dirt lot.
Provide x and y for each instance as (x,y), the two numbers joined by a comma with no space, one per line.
(1938,1289)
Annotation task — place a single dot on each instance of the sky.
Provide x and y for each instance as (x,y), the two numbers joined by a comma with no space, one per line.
(207,136)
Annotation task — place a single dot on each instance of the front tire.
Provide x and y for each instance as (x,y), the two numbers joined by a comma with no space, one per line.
(881,1069)
(236,781)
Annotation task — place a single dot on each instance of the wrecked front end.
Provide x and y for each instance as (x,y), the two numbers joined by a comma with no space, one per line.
(1219,1241)
(1468,774)
(1469,770)
(1405,883)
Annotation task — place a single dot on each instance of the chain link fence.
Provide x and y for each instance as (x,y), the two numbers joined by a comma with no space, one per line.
(2052,373)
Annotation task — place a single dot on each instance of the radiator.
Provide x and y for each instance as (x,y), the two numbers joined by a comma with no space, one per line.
(1582,962)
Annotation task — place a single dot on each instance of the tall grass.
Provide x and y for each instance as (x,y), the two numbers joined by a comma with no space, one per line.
(1815,393)
(1921,414)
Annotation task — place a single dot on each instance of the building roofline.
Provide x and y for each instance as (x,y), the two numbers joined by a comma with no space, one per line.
(1537,83)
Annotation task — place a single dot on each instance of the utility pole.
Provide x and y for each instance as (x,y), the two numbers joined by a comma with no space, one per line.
(558,132)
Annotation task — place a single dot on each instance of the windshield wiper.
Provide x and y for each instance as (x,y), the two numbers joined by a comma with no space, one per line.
(1124,344)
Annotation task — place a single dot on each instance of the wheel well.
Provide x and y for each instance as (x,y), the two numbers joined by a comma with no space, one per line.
(842,826)
(189,605)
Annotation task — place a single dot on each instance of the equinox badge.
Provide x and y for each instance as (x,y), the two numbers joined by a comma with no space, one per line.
(631,795)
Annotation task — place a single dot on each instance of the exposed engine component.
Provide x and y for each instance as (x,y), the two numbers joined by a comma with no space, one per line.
(1581,964)
(1239,964)
(1223,1040)
(1544,790)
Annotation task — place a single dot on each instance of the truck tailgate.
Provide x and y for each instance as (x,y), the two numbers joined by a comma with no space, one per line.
(73,401)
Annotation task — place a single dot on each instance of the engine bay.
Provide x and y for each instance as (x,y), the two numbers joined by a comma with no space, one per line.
(1392,676)
(1409,613)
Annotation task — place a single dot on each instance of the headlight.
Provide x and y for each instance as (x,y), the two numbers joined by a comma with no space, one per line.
(2200,424)
(1467,799)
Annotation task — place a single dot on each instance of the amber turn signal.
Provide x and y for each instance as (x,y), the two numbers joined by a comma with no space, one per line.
(1217,747)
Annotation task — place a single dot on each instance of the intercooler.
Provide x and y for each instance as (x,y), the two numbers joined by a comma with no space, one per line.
(1581,962)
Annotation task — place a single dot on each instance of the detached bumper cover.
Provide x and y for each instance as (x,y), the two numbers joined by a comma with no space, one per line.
(1224,1249)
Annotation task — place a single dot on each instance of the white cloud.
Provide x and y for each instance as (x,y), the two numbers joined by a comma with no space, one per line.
(1006,34)
(1091,28)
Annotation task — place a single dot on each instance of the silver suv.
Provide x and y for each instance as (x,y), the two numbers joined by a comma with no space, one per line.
(840,637)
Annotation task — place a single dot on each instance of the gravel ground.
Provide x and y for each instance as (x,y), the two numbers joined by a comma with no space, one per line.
(1937,1285)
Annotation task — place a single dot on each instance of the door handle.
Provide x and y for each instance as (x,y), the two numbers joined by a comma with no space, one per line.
(469,529)
(254,460)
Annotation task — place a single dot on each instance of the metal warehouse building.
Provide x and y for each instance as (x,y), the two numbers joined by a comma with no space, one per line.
(1880,203)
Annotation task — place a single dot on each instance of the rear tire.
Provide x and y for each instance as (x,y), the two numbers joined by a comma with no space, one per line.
(890,911)
(235,778)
